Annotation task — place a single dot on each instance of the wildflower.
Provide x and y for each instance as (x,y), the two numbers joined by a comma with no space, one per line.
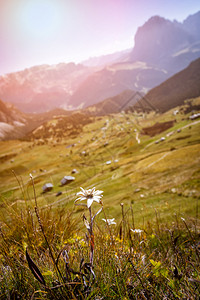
(137,230)
(89,195)
(110,221)
(143,259)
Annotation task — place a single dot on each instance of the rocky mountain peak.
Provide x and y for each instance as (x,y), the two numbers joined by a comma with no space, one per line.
(158,39)
(192,25)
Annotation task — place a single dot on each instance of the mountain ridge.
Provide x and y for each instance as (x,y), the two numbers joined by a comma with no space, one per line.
(162,48)
(178,88)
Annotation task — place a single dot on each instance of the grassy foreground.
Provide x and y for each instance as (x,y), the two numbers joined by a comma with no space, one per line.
(157,261)
(151,188)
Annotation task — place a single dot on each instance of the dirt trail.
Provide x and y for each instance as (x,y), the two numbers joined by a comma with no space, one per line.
(156,161)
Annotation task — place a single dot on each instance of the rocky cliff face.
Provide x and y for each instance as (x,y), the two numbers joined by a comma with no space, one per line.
(12,122)
(168,45)
(162,48)
(192,25)
(9,114)
(42,88)
(159,38)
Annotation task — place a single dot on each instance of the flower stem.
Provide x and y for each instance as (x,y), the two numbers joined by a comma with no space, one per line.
(91,238)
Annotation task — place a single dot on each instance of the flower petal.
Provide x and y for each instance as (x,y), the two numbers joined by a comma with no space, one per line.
(93,190)
(82,190)
(89,202)
(98,192)
(96,199)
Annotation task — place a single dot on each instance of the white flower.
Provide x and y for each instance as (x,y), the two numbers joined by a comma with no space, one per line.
(89,195)
(143,259)
(137,230)
(110,221)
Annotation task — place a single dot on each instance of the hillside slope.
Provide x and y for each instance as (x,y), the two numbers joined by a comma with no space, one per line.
(113,154)
(12,122)
(114,104)
(15,124)
(183,85)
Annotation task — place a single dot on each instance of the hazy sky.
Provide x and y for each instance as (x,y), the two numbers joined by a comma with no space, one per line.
(34,32)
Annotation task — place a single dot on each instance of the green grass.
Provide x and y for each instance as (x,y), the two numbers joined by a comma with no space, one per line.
(158,183)
(156,167)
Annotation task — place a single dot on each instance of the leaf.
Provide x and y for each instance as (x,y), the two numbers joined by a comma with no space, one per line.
(61,252)
(156,264)
(87,224)
(34,269)
(157,267)
(175,240)
(81,264)
(48,273)
(97,213)
(175,273)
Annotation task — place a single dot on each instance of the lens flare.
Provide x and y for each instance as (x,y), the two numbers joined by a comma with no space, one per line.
(39,18)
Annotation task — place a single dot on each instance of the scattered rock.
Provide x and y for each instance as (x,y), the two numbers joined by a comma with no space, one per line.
(108,162)
(178,130)
(172,148)
(175,112)
(72,145)
(67,179)
(58,194)
(194,116)
(83,153)
(47,187)
(162,139)
(74,171)
(137,190)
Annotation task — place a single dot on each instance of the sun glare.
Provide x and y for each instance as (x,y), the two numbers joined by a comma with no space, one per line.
(40,18)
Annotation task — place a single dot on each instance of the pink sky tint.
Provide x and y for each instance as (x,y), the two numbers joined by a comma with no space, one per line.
(34,32)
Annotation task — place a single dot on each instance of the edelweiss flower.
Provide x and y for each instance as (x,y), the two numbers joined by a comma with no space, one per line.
(137,230)
(110,221)
(89,195)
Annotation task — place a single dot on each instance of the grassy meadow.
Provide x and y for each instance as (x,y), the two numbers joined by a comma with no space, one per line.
(149,183)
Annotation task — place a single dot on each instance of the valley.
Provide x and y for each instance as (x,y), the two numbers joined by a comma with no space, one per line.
(99,150)
(113,153)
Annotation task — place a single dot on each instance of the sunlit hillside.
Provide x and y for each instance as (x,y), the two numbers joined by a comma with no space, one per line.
(114,154)
(146,225)
(99,150)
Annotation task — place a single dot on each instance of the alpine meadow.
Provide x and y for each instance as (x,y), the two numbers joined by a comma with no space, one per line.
(100,167)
